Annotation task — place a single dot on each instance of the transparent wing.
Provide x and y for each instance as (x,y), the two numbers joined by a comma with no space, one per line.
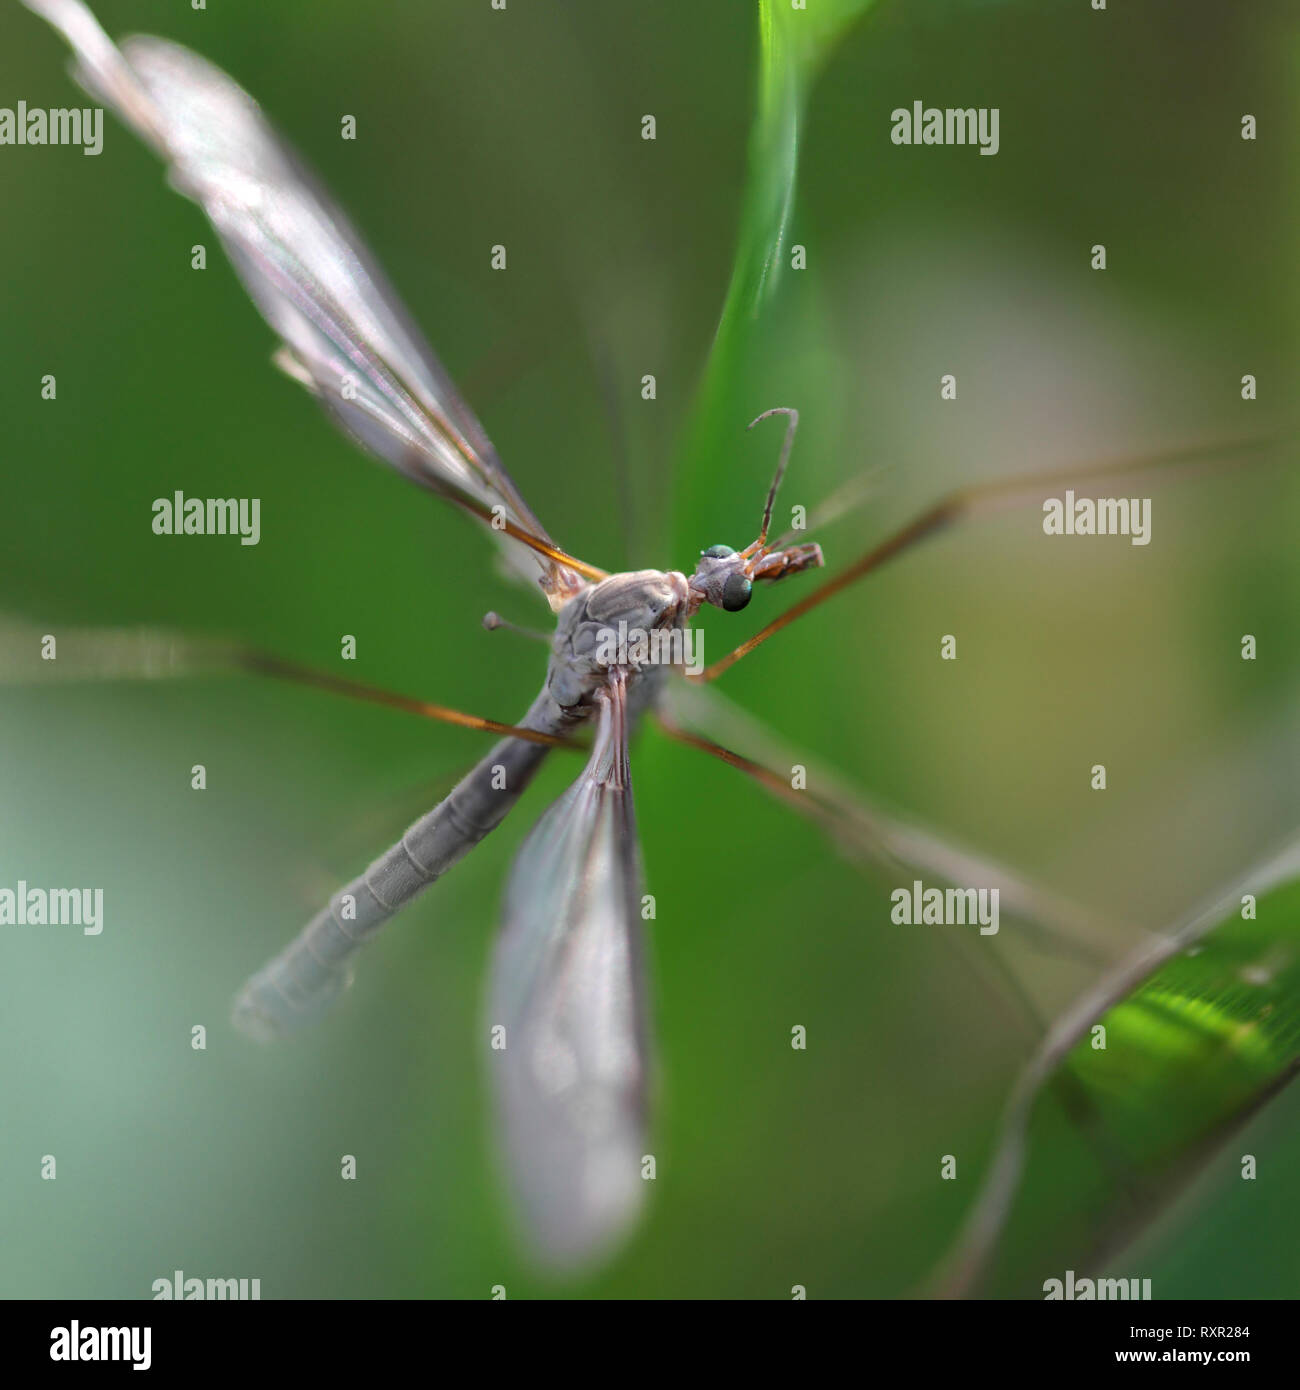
(568,988)
(346,335)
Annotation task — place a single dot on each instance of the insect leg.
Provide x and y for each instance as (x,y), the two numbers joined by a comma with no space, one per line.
(866,832)
(983,499)
(103,654)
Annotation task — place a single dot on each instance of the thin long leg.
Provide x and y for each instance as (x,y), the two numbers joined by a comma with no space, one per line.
(969,1257)
(865,831)
(967,1260)
(97,654)
(980,500)
(338,685)
(997,972)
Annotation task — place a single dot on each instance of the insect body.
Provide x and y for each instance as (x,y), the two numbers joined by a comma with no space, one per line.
(568,989)
(567,1016)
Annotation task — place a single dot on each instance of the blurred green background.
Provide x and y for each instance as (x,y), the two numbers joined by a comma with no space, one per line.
(776,1167)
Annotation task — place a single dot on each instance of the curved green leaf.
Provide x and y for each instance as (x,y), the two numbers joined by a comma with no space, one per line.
(793,46)
(1137,1088)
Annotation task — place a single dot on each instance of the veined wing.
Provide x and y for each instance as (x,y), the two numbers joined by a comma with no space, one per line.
(346,335)
(568,989)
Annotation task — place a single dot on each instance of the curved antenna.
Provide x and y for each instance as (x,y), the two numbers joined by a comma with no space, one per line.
(780,467)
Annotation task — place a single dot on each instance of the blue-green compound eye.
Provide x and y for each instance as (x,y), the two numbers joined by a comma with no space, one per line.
(736,593)
(717,552)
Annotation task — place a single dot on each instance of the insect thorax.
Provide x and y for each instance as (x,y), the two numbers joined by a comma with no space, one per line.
(634,621)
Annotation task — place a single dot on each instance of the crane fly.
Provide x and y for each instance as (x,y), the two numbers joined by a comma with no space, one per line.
(567,998)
